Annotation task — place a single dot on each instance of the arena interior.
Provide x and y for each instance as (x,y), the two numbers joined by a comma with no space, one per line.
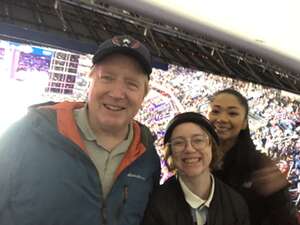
(35,68)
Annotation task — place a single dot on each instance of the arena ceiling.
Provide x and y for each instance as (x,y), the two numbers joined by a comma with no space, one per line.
(80,25)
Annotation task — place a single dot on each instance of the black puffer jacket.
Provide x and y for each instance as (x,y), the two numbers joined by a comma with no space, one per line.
(167,206)
(239,163)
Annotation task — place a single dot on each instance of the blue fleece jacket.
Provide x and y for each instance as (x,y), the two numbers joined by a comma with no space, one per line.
(47,179)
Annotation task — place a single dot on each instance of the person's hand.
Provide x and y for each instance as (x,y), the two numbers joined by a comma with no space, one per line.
(268,180)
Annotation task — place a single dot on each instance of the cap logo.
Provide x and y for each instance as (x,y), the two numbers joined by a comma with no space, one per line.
(125,42)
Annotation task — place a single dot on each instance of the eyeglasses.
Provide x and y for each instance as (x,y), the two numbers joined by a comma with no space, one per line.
(198,142)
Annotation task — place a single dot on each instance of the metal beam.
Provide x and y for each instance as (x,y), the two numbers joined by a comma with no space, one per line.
(169,17)
(13,32)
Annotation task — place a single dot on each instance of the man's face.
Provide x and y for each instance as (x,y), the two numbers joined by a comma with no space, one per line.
(117,90)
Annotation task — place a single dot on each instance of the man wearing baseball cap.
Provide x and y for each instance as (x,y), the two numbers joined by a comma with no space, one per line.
(84,163)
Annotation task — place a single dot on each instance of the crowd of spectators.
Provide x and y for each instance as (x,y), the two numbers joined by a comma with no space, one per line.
(29,61)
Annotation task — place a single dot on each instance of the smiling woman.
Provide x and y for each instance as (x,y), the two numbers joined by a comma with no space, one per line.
(248,171)
(194,195)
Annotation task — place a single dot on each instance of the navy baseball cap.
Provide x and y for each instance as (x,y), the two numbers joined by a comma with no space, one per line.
(125,44)
(193,117)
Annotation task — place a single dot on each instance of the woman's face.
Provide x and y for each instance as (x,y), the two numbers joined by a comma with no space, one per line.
(228,116)
(191,150)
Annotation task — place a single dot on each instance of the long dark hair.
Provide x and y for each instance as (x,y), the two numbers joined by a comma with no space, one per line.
(242,159)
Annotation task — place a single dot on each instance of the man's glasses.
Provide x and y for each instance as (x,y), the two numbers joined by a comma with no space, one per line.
(179,144)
